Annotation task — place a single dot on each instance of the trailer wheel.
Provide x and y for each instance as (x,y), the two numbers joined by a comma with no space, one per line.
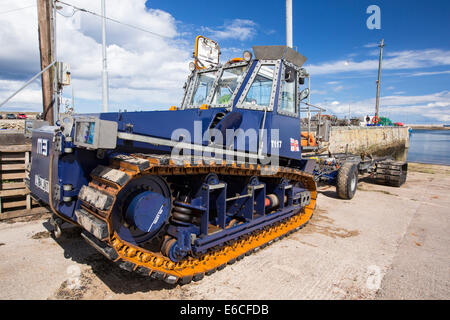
(347,180)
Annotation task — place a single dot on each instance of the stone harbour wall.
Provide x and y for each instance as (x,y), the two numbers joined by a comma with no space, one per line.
(370,140)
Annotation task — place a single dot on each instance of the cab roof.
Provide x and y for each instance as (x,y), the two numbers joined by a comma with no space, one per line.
(279,52)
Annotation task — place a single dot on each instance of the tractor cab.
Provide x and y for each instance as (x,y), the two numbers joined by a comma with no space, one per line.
(260,95)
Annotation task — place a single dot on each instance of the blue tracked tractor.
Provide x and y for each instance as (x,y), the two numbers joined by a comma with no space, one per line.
(179,194)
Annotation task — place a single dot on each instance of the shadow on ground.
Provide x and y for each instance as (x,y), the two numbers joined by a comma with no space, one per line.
(329,193)
(115,278)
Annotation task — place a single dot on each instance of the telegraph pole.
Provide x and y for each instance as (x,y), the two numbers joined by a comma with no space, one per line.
(46,47)
(377,106)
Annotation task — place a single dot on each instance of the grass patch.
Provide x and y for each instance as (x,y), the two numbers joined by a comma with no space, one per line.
(428,168)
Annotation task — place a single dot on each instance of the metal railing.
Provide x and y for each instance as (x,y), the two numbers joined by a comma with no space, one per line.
(28,83)
(315,109)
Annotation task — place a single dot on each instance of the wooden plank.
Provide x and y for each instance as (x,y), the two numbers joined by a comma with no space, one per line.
(6,176)
(22,213)
(13,156)
(12,185)
(12,167)
(14,192)
(16,148)
(14,204)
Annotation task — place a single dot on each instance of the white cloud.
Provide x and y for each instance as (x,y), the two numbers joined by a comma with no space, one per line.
(240,29)
(371,45)
(409,59)
(338,88)
(374,53)
(420,74)
(144,70)
(27,100)
(231,52)
(432,106)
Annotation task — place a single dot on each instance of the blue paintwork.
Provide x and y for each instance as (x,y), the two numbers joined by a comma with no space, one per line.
(330,178)
(161,124)
(40,162)
(146,211)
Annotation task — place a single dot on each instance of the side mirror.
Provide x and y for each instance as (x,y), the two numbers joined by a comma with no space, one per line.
(289,76)
(304,94)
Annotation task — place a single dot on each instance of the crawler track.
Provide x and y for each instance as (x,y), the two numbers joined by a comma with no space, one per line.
(108,181)
(391,173)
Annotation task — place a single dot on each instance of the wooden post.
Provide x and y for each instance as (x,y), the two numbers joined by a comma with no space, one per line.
(27,175)
(46,38)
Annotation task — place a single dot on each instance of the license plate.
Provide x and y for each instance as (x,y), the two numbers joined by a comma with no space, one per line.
(41,183)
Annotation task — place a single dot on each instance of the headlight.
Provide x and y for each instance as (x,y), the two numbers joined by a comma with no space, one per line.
(191,66)
(247,56)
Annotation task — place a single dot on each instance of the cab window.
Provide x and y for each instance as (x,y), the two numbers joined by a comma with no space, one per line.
(259,93)
(288,101)
(227,84)
(203,83)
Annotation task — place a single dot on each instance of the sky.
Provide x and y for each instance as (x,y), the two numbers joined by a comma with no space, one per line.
(147,72)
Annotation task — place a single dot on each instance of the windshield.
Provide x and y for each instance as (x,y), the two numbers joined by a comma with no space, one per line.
(203,84)
(260,91)
(227,84)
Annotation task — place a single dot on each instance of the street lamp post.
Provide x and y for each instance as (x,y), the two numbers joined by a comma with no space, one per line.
(105,95)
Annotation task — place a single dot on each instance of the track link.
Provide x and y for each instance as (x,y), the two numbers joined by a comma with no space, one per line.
(391,173)
(101,194)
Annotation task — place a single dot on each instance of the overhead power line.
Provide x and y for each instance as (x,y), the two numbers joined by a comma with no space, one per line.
(4,12)
(114,20)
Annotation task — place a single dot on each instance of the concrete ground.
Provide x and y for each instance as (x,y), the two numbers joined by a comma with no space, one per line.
(386,243)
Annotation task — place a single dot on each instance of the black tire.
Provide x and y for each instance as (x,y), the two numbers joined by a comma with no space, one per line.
(347,180)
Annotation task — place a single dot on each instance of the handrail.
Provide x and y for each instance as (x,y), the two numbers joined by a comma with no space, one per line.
(27,83)
(308,109)
(311,105)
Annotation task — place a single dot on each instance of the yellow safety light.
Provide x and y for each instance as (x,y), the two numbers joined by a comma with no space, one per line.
(234,60)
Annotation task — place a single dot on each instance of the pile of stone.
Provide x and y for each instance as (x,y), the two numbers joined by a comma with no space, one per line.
(15,125)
